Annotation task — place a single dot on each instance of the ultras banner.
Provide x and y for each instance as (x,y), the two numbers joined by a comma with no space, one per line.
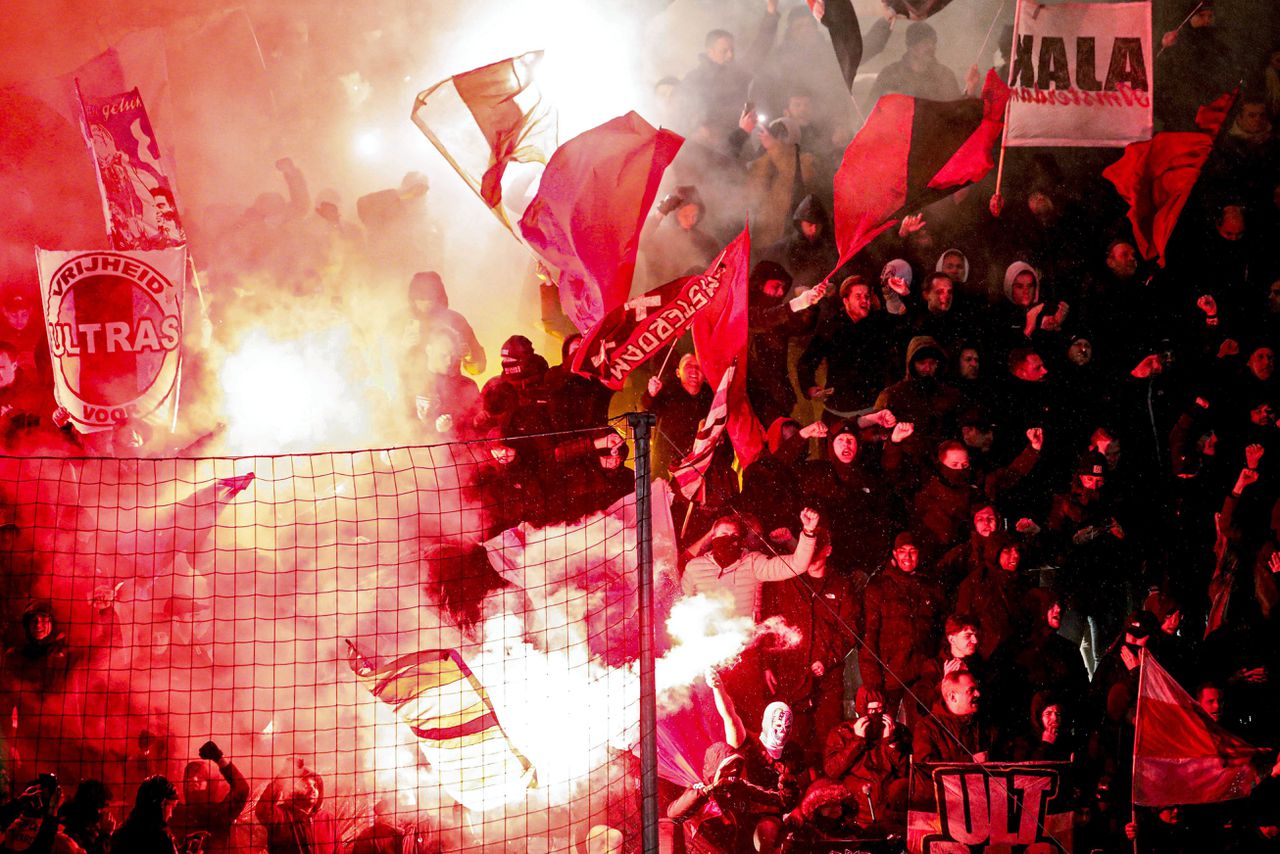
(1081,75)
(114,321)
(990,807)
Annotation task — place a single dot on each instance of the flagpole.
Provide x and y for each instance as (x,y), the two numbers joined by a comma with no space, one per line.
(1008,107)
(1133,772)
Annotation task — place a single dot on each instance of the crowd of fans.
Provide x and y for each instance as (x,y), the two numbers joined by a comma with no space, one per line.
(1005,459)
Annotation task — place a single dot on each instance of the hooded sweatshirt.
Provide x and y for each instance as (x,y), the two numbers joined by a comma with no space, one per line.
(292,828)
(429,286)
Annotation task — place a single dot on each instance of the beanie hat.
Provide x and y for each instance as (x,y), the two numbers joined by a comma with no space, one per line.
(903,539)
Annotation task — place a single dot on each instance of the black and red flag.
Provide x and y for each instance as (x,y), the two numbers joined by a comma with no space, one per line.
(1156,176)
(911,153)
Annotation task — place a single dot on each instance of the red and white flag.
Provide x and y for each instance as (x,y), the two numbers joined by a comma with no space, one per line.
(586,217)
(495,129)
(690,471)
(1180,754)
(720,340)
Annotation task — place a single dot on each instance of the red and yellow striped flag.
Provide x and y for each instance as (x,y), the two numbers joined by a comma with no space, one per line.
(446,706)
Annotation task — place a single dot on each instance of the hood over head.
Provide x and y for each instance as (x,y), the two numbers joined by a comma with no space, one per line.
(430,286)
(1012,272)
(964,277)
(923,346)
(811,210)
(763,272)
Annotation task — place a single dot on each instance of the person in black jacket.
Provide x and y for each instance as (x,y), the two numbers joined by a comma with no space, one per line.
(146,830)
(200,811)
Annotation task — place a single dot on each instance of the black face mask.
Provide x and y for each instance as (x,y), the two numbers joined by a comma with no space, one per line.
(726,550)
(956,477)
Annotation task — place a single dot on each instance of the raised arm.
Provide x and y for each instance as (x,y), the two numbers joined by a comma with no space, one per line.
(735,732)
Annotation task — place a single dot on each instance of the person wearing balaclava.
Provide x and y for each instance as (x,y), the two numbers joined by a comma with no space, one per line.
(203,812)
(942,506)
(516,399)
(772,761)
(429,310)
(773,326)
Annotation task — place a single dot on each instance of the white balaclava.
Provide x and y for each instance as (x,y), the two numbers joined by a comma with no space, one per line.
(775,726)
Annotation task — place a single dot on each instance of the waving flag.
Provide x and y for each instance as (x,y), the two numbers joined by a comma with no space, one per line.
(495,129)
(1180,755)
(591,203)
(910,153)
(137,193)
(841,21)
(1156,177)
(720,340)
(642,327)
(690,471)
(437,696)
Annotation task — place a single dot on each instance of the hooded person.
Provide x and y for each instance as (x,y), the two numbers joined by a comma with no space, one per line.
(718,813)
(809,253)
(1036,657)
(146,830)
(941,507)
(42,661)
(828,813)
(993,593)
(773,326)
(429,309)
(205,807)
(921,397)
(575,402)
(1011,320)
(1049,738)
(955,264)
(980,552)
(86,820)
(516,399)
(290,808)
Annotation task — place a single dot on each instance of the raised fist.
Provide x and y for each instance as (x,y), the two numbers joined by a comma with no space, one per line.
(1253,455)
(816,430)
(1035,436)
(901,431)
(809,519)
(210,750)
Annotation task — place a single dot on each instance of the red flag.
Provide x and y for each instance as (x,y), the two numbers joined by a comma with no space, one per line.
(636,331)
(1180,755)
(691,470)
(720,337)
(586,217)
(910,153)
(487,122)
(1155,177)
